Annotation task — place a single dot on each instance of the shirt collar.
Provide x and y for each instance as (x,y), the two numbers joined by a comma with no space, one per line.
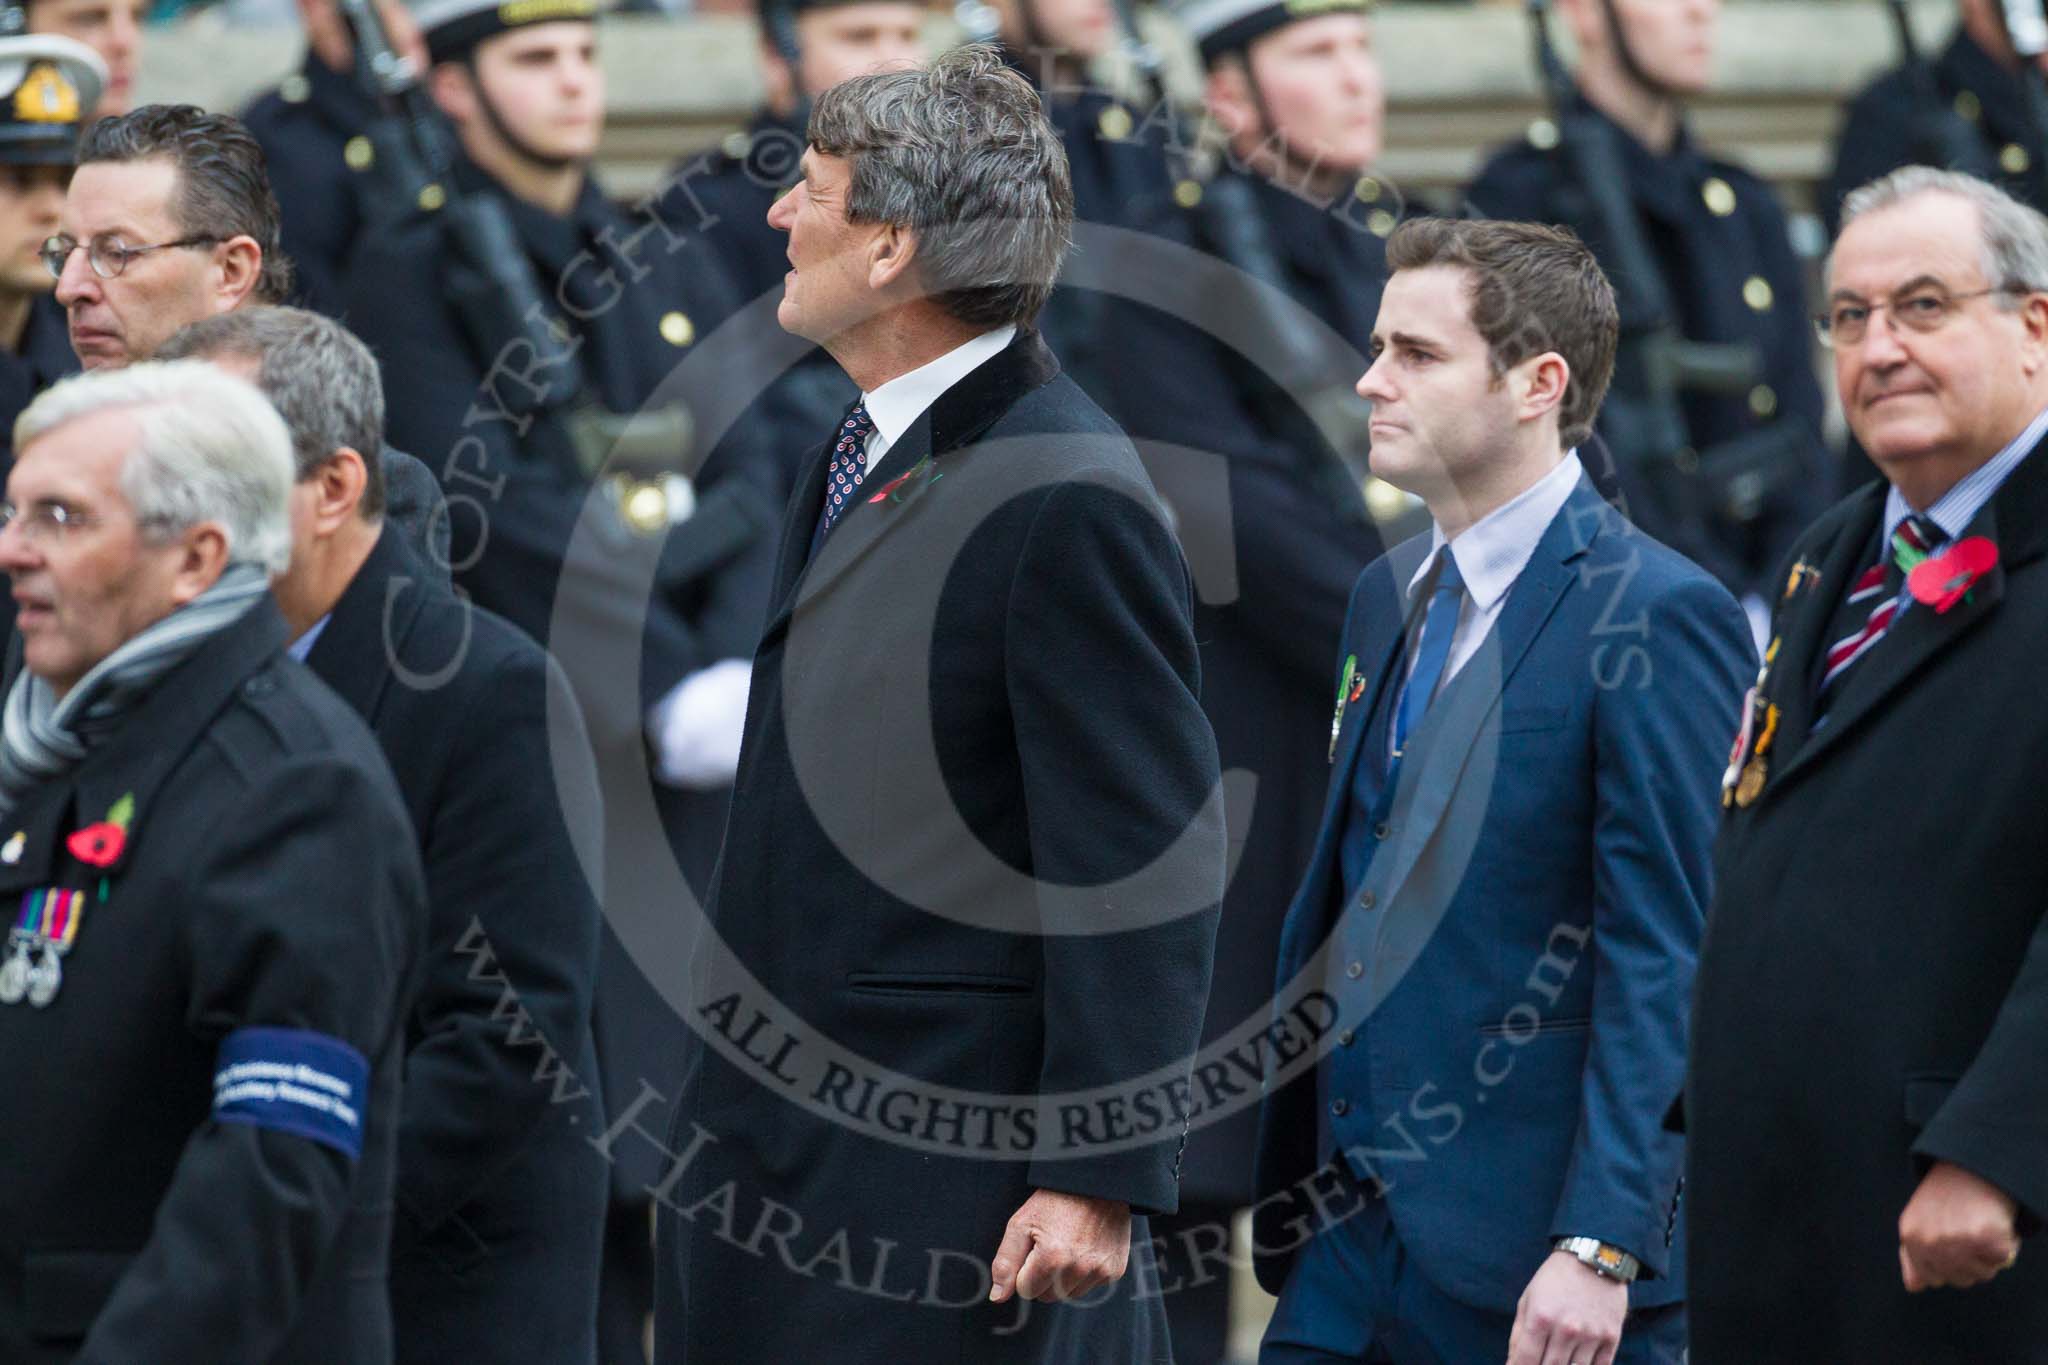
(901,401)
(1493,551)
(303,646)
(1956,509)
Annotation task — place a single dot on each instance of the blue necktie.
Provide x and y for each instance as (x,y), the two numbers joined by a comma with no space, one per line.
(849,466)
(1432,651)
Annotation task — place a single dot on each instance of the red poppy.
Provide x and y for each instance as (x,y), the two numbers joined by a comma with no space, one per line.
(99,845)
(1940,581)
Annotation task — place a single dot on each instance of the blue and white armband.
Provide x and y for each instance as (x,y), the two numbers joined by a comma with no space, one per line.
(293,1081)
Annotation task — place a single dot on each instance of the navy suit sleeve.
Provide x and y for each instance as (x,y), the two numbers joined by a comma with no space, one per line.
(1665,706)
(514,913)
(1118,767)
(304,914)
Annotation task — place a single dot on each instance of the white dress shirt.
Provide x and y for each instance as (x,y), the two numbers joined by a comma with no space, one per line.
(1491,554)
(901,401)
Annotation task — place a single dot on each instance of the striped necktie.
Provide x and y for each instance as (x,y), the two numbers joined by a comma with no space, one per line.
(1882,587)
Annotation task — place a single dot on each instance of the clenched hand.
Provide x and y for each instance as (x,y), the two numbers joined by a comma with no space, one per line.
(1061,1246)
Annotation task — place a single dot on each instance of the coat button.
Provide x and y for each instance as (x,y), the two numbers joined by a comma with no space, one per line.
(1763,401)
(1719,196)
(1340,1107)
(262,685)
(1367,900)
(1969,106)
(359,154)
(1542,135)
(1382,830)
(1757,293)
(1354,970)
(294,89)
(677,329)
(2013,159)
(1346,1038)
(1115,123)
(1188,193)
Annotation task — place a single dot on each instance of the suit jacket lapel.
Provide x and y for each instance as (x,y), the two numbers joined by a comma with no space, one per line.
(945,430)
(1468,706)
(1921,633)
(1803,626)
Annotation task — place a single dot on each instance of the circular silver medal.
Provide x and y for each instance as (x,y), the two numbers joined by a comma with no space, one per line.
(14,976)
(44,978)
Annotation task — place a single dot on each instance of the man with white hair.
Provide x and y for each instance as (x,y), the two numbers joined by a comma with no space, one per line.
(214,900)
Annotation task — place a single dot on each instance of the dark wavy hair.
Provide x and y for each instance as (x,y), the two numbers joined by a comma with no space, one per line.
(1534,288)
(223,185)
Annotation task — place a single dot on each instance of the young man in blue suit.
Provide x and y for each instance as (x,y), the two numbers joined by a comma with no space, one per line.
(1497,931)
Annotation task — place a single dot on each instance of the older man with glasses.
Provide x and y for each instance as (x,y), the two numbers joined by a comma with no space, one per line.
(1868,1123)
(169,219)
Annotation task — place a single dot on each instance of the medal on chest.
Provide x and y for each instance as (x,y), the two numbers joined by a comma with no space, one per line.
(45,925)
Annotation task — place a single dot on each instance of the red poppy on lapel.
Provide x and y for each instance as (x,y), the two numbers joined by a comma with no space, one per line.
(1940,581)
(888,489)
(98,845)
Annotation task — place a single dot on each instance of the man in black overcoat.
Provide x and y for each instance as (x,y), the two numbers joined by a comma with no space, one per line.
(216,909)
(1868,1125)
(961,934)
(500,1199)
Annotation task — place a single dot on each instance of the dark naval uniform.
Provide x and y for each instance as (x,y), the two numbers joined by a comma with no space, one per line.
(1988,108)
(676,596)
(500,1201)
(311,129)
(1720,236)
(53,80)
(44,357)
(201,1125)
(1301,535)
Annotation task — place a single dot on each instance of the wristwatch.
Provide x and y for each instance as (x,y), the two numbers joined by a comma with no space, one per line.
(1604,1258)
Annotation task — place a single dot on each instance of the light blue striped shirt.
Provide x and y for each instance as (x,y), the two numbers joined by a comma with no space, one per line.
(1956,508)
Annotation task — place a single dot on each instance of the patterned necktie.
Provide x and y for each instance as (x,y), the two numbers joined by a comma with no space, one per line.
(1882,585)
(849,466)
(1432,651)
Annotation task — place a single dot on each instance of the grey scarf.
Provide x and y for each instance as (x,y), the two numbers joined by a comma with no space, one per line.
(42,738)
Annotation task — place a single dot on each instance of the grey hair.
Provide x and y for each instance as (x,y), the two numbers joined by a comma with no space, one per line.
(321,379)
(210,449)
(961,153)
(2012,237)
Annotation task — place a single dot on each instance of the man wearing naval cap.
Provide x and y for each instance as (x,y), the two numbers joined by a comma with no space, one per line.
(47,86)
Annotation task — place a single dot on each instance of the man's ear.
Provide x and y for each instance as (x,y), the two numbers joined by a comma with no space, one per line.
(240,262)
(778,81)
(890,255)
(2033,334)
(450,85)
(1228,95)
(1540,383)
(202,558)
(338,489)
